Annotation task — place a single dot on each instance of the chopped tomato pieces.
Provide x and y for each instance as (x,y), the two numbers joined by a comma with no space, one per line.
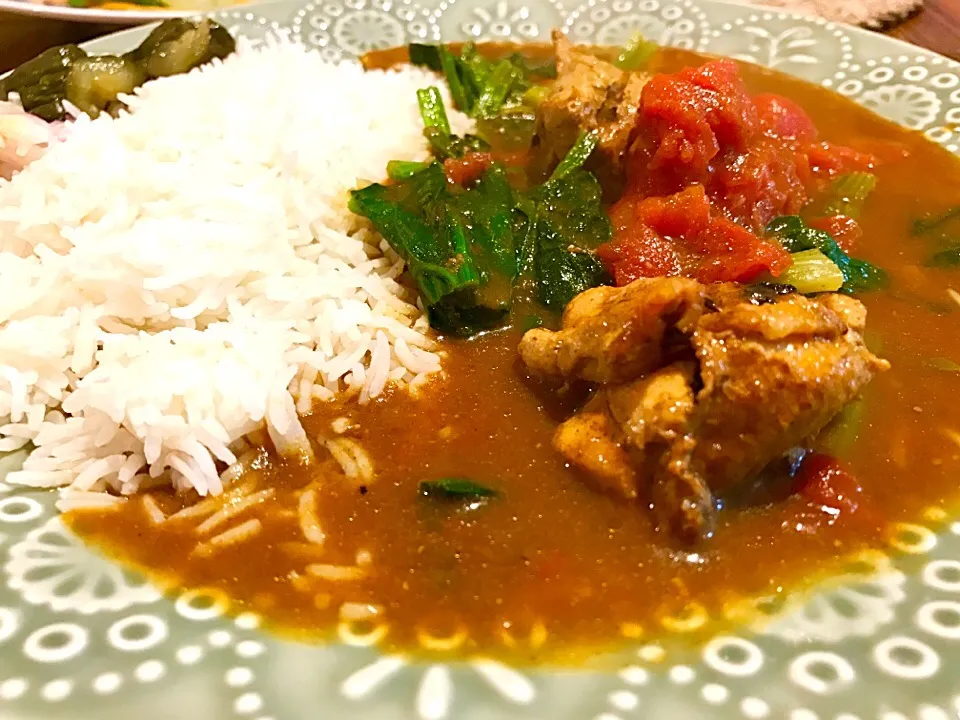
(845,230)
(708,168)
(682,235)
(733,254)
(468,169)
(825,482)
(828,160)
(639,253)
(784,119)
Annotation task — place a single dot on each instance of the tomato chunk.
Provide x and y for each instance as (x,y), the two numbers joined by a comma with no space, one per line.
(468,169)
(784,119)
(828,160)
(708,168)
(681,234)
(845,230)
(825,482)
(638,253)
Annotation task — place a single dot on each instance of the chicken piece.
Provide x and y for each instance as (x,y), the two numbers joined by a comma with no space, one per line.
(773,376)
(760,376)
(679,495)
(654,408)
(636,429)
(609,335)
(592,442)
(590,94)
(654,415)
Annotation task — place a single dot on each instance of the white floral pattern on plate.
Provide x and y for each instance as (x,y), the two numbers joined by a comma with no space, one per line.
(858,608)
(353,27)
(811,49)
(918,91)
(672,22)
(51,567)
(435,687)
(879,648)
(498,20)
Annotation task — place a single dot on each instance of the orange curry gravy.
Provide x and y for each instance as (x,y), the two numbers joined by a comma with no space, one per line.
(551,569)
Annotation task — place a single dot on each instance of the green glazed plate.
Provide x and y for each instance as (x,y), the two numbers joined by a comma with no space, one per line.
(80,638)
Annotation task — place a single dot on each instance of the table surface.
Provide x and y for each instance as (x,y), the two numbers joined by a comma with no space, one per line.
(936,27)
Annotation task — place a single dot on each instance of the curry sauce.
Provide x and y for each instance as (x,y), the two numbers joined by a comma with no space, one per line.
(547,568)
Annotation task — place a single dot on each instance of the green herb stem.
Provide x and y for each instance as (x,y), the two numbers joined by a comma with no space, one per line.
(403,169)
(431,109)
(812,272)
(455,488)
(635,55)
(847,194)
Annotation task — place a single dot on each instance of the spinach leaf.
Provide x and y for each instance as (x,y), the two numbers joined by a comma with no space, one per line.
(438,261)
(479,87)
(425,55)
(502,79)
(459,246)
(460,79)
(561,273)
(945,258)
(486,213)
(942,363)
(445,146)
(436,128)
(467,247)
(795,236)
(577,155)
(941,230)
(930,222)
(488,210)
(568,222)
(573,205)
(455,488)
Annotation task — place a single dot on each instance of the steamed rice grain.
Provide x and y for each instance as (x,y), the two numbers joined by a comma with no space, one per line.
(189,273)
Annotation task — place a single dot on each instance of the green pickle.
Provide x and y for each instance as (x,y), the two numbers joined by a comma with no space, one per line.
(66,74)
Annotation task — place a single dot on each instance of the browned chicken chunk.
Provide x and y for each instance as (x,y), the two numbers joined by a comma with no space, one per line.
(700,386)
(590,94)
(774,375)
(610,335)
(592,441)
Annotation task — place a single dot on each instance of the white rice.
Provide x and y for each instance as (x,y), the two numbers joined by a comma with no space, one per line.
(309,522)
(232,510)
(189,272)
(235,535)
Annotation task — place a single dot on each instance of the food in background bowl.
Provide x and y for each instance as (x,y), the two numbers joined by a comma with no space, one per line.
(183,5)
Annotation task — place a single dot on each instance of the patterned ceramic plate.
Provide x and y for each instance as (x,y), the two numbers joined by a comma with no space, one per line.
(80,638)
